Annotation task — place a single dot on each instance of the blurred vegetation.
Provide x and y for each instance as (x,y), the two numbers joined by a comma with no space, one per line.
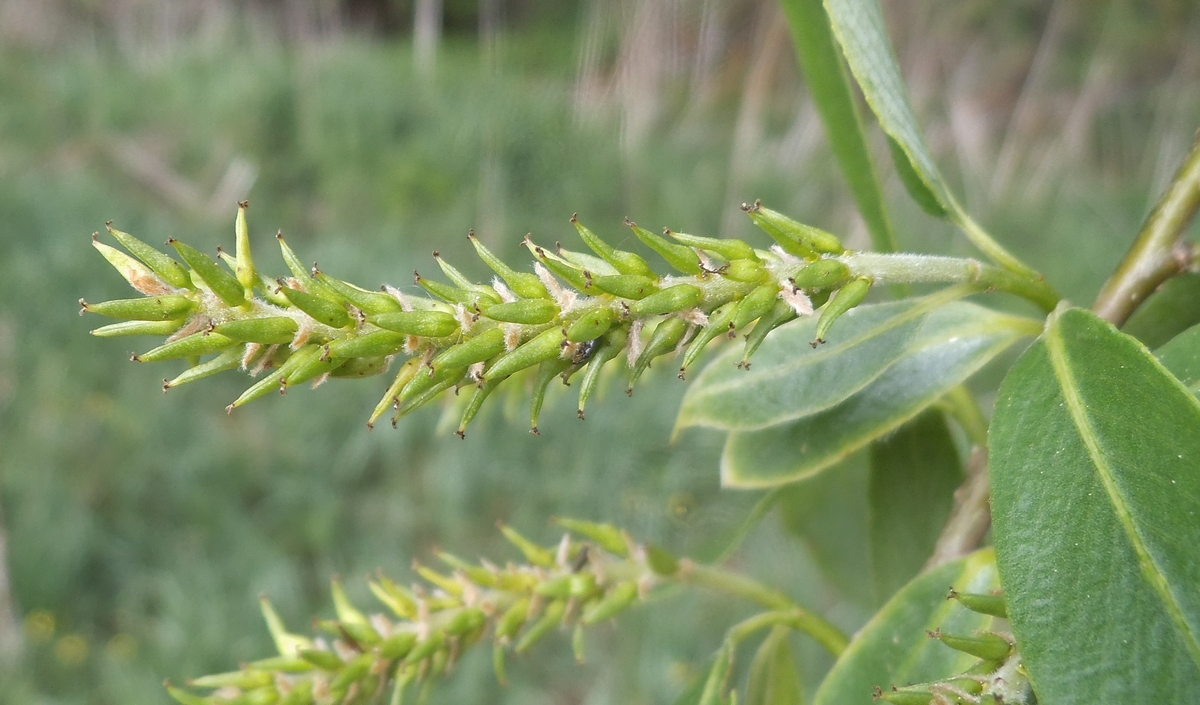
(140,527)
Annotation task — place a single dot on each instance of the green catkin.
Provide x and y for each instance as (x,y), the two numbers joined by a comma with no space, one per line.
(218,280)
(623,262)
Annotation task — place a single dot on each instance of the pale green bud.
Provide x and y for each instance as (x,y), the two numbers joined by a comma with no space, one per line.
(611,604)
(139,276)
(990,604)
(550,618)
(822,274)
(781,312)
(720,321)
(534,553)
(606,536)
(483,346)
(228,360)
(755,305)
(985,645)
(366,301)
(745,270)
(665,338)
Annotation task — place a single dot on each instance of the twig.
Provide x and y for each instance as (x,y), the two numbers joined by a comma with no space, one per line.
(972,514)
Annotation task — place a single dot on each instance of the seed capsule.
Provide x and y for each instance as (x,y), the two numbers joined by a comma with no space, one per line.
(984,645)
(139,276)
(909,695)
(745,270)
(845,299)
(755,305)
(534,553)
(270,330)
(312,368)
(783,229)
(426,324)
(568,272)
(577,643)
(374,344)
(513,619)
(171,271)
(398,645)
(474,404)
(155,328)
(781,312)
(719,322)
(726,248)
(477,574)
(183,697)
(220,281)
(547,345)
(551,618)
(482,347)
(276,379)
(994,605)
(822,274)
(499,656)
(426,648)
(446,292)
(399,599)
(529,312)
(664,339)
(245,271)
(546,373)
(610,346)
(424,389)
(680,257)
(523,284)
(625,286)
(591,325)
(606,536)
(321,658)
(317,307)
(282,664)
(304,275)
(360,367)
(466,620)
(368,302)
(675,298)
(611,604)
(150,308)
(193,345)
(623,262)
(245,679)
(661,562)
(405,375)
(228,360)
(355,670)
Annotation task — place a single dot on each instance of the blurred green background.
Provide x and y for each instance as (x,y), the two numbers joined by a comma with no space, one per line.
(139,528)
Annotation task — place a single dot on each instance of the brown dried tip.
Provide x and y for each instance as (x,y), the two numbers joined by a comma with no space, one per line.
(243,204)
(229,409)
(534,430)
(370,425)
(743,365)
(166,385)
(629,392)
(133,357)
(580,414)
(416,277)
(934,633)
(682,373)
(436,254)
(462,435)
(283,386)
(83,307)
(279,235)
(574,217)
(629,223)
(95,237)
(471,234)
(171,240)
(818,341)
(952,594)
(876,692)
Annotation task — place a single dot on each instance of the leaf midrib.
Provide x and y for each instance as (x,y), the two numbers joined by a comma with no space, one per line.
(1149,567)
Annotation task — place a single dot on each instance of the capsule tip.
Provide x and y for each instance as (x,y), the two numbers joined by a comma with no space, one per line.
(534,430)
(574,217)
(83,307)
(243,204)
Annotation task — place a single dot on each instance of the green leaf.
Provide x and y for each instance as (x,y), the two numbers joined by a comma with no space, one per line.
(828,513)
(893,647)
(773,677)
(954,342)
(859,27)
(825,72)
(789,379)
(914,473)
(1168,312)
(1095,469)
(1181,357)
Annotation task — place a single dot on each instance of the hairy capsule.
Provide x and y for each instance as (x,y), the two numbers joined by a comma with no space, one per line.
(719,323)
(680,257)
(547,345)
(193,345)
(624,262)
(374,344)
(781,312)
(606,536)
(585,261)
(421,388)
(155,328)
(303,275)
(368,302)
(664,339)
(319,308)
(270,330)
(675,298)
(228,360)
(529,312)
(591,325)
(163,265)
(551,617)
(139,276)
(726,248)
(626,286)
(822,274)
(523,284)
(845,299)
(482,347)
(994,605)
(219,281)
(611,604)
(426,324)
(150,308)
(985,645)
(786,231)
(745,270)
(755,305)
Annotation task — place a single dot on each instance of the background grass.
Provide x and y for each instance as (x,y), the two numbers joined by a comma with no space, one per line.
(141,527)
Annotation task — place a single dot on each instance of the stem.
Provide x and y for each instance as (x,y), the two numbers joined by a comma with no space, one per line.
(934,269)
(1159,252)
(757,512)
(719,580)
(972,514)
(961,405)
(994,250)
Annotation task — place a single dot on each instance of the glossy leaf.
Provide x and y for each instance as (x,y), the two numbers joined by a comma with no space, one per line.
(914,473)
(859,28)
(893,647)
(1181,357)
(773,677)
(828,513)
(828,82)
(789,379)
(1095,469)
(954,342)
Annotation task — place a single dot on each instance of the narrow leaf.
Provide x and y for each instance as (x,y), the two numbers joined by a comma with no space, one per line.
(773,677)
(914,473)
(954,342)
(825,72)
(1181,357)
(893,647)
(789,379)
(1095,469)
